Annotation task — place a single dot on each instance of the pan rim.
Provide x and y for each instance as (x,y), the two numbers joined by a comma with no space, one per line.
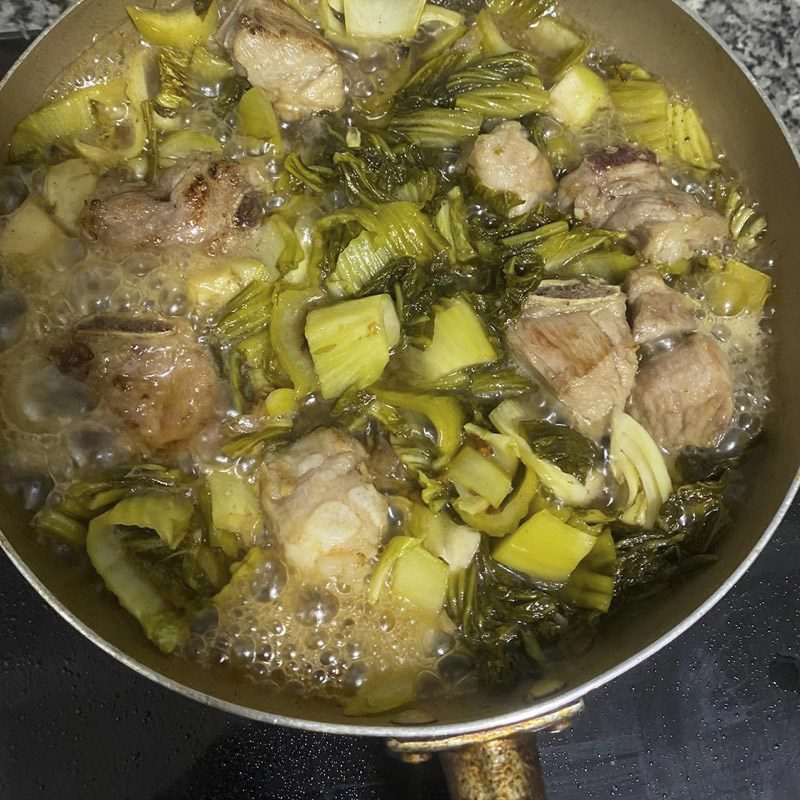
(432,731)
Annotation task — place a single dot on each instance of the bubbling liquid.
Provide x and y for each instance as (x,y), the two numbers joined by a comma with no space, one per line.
(276,629)
(318,641)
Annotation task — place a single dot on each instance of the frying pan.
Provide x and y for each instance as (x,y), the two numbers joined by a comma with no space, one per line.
(483,755)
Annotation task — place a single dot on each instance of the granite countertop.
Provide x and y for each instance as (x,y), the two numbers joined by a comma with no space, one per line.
(715,715)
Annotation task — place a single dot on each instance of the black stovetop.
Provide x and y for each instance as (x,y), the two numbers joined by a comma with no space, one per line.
(715,716)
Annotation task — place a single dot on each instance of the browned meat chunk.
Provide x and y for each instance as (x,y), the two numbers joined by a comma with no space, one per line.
(151,372)
(574,337)
(599,186)
(655,310)
(625,190)
(323,507)
(286,56)
(193,203)
(684,396)
(506,161)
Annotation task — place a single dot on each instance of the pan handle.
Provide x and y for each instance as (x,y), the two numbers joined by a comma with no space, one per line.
(500,769)
(498,764)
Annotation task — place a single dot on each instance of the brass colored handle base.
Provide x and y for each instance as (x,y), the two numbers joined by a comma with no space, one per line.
(499,764)
(503,769)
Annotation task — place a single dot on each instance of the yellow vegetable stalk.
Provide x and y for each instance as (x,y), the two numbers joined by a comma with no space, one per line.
(546,548)
(287,323)
(383,692)
(732,287)
(257,119)
(182,144)
(137,91)
(506,519)
(370,20)
(492,41)
(444,413)
(459,341)
(690,142)
(638,464)
(62,119)
(398,546)
(206,68)
(578,97)
(181,29)
(421,578)
(591,585)
(170,517)
(479,476)
(643,108)
(235,511)
(350,342)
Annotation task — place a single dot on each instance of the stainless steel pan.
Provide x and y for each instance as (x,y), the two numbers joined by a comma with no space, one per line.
(672,43)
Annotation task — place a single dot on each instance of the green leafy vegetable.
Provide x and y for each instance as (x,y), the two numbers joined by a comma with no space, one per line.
(519,13)
(68,518)
(503,619)
(452,222)
(267,438)
(419,89)
(698,511)
(375,173)
(690,523)
(301,177)
(581,251)
(391,231)
(135,588)
(695,465)
(246,314)
(287,326)
(173,72)
(557,142)
(436,127)
(563,446)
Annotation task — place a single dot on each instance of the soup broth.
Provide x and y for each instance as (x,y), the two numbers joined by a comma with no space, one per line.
(376,367)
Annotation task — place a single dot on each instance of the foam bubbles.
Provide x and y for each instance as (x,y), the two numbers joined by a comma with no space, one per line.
(316,641)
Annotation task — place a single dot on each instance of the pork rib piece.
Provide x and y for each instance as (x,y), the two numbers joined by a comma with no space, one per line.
(286,56)
(625,189)
(323,507)
(684,396)
(574,338)
(655,310)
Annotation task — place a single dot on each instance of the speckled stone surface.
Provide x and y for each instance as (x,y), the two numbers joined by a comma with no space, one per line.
(765,34)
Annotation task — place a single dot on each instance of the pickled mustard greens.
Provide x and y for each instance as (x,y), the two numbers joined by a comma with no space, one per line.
(255,360)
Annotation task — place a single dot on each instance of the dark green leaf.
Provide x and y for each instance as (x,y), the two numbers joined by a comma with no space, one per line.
(563,446)
(697,511)
(703,465)
(201,7)
(503,619)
